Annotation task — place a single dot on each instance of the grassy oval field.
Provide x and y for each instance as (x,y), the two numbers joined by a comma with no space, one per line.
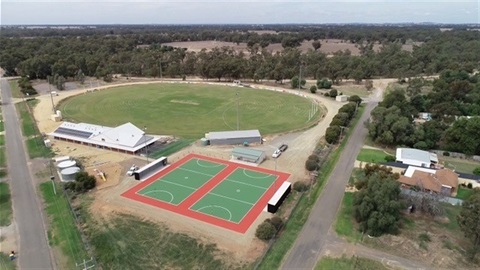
(190,110)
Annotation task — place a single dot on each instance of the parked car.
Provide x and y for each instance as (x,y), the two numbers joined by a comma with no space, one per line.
(132,170)
(277,153)
(283,147)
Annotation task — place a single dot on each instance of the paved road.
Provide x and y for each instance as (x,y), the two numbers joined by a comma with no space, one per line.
(34,252)
(309,244)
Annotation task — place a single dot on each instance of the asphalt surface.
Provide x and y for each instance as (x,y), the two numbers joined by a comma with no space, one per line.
(309,244)
(34,252)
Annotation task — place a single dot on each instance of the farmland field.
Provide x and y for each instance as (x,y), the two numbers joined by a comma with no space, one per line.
(190,110)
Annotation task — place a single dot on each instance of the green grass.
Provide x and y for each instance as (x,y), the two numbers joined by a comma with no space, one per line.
(5,263)
(171,148)
(128,242)
(5,205)
(451,211)
(191,110)
(351,90)
(464,193)
(371,155)
(63,232)
(274,256)
(459,165)
(2,140)
(344,224)
(36,148)
(344,263)
(2,125)
(15,89)
(28,125)
(3,161)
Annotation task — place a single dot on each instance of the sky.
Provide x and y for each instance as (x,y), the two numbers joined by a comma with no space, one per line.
(41,12)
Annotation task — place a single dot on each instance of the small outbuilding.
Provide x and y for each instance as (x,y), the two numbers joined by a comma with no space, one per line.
(416,157)
(248,155)
(342,98)
(234,137)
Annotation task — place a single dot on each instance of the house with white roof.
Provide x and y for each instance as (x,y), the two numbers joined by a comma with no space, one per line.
(126,138)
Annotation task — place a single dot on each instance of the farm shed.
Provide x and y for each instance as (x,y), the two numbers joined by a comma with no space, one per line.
(248,155)
(416,157)
(126,138)
(234,137)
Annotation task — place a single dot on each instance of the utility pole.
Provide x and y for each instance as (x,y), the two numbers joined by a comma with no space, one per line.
(300,78)
(52,177)
(238,105)
(51,96)
(145,139)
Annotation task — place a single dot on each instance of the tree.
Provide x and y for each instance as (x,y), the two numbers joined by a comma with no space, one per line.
(340,119)
(332,134)
(469,221)
(313,89)
(464,136)
(277,222)
(83,182)
(265,231)
(324,84)
(316,45)
(476,171)
(294,82)
(311,165)
(369,85)
(356,99)
(377,205)
(333,93)
(300,186)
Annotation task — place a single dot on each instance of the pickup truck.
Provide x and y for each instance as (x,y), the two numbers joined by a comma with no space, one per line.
(277,153)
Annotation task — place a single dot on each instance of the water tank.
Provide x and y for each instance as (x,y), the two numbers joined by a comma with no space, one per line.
(69,174)
(66,164)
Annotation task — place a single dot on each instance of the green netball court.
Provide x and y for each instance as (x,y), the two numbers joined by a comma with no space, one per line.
(216,191)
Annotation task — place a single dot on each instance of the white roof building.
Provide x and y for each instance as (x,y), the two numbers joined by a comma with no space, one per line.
(416,157)
(124,138)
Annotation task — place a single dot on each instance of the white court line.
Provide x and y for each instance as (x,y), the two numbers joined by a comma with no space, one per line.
(204,166)
(215,206)
(245,183)
(188,170)
(231,198)
(160,191)
(180,185)
(254,177)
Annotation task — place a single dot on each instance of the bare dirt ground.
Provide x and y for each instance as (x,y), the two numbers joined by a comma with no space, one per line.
(329,46)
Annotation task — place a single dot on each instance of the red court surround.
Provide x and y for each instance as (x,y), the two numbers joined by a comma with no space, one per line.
(183,208)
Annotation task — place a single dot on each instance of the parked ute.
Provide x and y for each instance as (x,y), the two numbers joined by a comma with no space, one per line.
(132,170)
(277,153)
(283,147)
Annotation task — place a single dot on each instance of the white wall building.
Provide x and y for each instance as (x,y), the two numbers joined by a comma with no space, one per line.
(416,157)
(126,138)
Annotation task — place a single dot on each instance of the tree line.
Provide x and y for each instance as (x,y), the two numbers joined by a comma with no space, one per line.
(241,33)
(104,55)
(454,105)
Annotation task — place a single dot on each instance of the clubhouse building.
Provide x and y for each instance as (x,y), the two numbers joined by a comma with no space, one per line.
(126,138)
